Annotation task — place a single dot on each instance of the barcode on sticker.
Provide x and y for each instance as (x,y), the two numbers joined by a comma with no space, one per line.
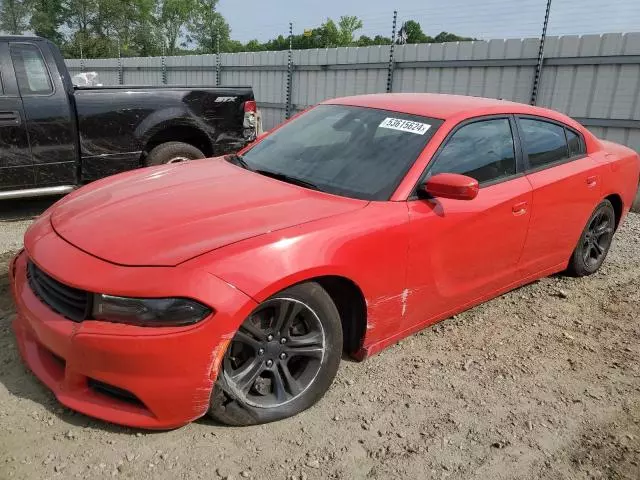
(405,125)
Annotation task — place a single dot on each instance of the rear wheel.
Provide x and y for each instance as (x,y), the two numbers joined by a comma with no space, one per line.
(595,241)
(172,152)
(282,359)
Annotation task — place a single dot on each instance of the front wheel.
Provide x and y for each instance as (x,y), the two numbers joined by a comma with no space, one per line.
(594,242)
(282,360)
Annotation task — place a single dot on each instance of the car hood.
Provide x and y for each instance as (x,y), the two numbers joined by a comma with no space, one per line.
(163,216)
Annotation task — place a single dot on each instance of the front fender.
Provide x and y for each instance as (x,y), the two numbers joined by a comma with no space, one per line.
(367,247)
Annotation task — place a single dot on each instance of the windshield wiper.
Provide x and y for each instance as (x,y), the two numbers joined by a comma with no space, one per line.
(239,161)
(289,179)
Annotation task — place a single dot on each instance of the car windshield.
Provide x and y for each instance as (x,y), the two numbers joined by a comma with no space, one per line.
(350,151)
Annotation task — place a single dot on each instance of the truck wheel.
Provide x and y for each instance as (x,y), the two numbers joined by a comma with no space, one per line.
(172,152)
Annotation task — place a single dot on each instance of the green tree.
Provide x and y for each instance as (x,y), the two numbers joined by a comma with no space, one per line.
(329,34)
(413,33)
(347,26)
(13,16)
(365,41)
(47,17)
(207,26)
(172,18)
(278,43)
(450,37)
(254,46)
(80,15)
(125,27)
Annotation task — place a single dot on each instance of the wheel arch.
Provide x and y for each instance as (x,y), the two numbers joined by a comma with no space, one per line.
(618,206)
(185,133)
(352,307)
(348,298)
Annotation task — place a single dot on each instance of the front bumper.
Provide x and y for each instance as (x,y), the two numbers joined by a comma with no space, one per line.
(162,377)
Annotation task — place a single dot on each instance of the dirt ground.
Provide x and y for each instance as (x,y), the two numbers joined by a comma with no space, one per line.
(541,383)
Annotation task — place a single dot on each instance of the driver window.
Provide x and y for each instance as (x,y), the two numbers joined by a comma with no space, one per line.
(482,150)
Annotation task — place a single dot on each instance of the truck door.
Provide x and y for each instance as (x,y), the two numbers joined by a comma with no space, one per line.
(49,114)
(16,164)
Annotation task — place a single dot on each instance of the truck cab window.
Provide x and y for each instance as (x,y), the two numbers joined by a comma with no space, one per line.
(31,71)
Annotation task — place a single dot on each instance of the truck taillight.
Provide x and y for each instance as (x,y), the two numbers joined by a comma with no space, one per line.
(250,106)
(250,123)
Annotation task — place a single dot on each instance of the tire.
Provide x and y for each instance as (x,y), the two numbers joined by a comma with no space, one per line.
(594,242)
(247,391)
(171,152)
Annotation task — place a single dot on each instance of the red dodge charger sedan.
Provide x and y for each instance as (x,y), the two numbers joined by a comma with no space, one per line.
(233,285)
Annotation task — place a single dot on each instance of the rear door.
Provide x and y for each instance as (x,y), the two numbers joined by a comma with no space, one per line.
(50,119)
(461,251)
(566,189)
(16,164)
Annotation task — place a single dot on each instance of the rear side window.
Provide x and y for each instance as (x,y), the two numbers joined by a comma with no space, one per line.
(31,70)
(544,142)
(482,150)
(576,146)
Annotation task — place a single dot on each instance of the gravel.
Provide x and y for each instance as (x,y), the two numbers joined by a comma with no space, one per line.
(15,217)
(540,383)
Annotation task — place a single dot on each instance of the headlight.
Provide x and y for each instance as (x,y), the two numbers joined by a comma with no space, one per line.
(148,312)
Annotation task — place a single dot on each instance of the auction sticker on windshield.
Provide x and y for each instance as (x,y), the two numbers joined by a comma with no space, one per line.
(405,125)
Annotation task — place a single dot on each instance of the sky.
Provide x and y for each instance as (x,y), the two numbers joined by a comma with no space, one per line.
(265,19)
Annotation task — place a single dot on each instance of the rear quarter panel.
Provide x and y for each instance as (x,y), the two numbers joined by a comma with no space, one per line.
(621,174)
(116,123)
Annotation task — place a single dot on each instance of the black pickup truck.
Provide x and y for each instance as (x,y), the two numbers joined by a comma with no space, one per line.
(55,136)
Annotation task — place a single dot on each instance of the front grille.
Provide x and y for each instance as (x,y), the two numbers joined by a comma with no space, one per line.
(69,302)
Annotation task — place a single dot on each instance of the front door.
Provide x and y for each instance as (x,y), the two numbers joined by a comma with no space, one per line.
(462,251)
(16,165)
(50,118)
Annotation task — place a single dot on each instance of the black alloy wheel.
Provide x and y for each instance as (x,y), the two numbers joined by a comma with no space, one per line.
(281,360)
(598,238)
(595,241)
(276,354)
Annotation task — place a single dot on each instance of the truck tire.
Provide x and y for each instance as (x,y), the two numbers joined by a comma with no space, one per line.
(172,152)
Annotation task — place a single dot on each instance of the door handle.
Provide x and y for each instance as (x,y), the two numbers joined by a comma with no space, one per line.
(519,208)
(592,181)
(9,117)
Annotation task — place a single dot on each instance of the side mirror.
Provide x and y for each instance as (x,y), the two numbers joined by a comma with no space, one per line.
(451,185)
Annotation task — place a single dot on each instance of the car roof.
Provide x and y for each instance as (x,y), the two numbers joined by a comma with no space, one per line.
(443,106)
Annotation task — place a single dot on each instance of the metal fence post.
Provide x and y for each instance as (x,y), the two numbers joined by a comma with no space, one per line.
(538,75)
(289,74)
(391,53)
(120,67)
(164,66)
(217,58)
